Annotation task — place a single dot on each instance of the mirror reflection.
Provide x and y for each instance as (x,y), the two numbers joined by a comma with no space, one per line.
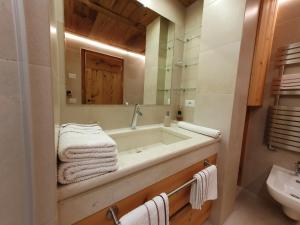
(117,52)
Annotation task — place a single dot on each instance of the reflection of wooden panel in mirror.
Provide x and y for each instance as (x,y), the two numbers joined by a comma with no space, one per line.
(102,78)
(121,23)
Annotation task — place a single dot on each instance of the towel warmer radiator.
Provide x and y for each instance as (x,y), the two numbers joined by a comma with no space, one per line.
(284,121)
(113,211)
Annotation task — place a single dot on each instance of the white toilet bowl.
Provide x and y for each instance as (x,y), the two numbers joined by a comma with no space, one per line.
(284,187)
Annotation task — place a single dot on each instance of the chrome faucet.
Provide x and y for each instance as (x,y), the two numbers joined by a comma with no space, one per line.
(298,169)
(137,112)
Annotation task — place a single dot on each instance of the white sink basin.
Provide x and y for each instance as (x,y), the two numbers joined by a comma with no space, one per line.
(145,139)
(284,187)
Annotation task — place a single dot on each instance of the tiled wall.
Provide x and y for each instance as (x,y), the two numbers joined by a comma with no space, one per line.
(159,61)
(191,51)
(13,188)
(28,181)
(152,61)
(218,94)
(37,17)
(258,159)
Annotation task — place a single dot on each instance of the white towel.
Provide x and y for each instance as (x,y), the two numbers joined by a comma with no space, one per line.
(153,212)
(81,145)
(199,129)
(138,216)
(81,126)
(82,170)
(205,187)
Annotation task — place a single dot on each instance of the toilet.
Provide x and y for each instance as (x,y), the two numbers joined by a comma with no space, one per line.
(284,186)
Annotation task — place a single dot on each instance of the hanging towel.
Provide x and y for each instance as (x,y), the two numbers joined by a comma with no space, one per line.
(199,129)
(153,212)
(78,145)
(205,187)
(82,170)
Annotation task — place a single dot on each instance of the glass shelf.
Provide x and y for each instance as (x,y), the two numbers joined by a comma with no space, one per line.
(177,89)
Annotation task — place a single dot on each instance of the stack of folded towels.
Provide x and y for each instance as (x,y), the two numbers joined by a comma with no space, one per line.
(85,151)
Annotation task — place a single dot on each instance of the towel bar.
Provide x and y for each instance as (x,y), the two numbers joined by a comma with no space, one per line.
(113,211)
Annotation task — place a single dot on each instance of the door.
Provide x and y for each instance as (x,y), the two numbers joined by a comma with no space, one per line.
(102,80)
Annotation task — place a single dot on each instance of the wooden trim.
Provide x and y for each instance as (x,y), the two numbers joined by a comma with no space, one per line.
(244,144)
(114,15)
(262,54)
(180,211)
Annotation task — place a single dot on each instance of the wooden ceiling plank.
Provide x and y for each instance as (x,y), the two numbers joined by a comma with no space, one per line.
(187,3)
(113,15)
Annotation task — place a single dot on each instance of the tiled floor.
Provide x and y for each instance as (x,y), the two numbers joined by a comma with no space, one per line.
(250,210)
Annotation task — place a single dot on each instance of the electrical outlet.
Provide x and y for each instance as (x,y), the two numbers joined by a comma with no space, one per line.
(189,103)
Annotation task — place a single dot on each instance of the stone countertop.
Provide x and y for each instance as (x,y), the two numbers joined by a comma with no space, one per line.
(158,155)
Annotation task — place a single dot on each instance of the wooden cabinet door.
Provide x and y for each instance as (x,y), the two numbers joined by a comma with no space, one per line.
(180,211)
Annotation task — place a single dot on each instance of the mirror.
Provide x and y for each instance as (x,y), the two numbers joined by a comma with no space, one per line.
(117,52)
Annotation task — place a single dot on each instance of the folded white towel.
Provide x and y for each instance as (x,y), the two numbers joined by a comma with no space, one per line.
(153,212)
(80,126)
(205,187)
(199,129)
(72,172)
(78,145)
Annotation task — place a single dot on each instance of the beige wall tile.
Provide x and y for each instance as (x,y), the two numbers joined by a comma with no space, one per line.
(218,69)
(12,154)
(7,37)
(214,110)
(112,117)
(44,151)
(222,23)
(37,28)
(223,81)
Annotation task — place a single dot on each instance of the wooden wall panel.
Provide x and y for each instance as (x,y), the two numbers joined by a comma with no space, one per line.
(263,47)
(180,210)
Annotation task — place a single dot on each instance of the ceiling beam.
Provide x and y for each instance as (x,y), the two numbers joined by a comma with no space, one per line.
(114,15)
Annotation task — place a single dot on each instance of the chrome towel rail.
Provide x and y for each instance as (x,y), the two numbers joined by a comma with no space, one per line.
(284,128)
(113,211)
(284,121)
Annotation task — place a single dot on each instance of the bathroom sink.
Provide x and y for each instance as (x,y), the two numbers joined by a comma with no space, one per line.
(144,139)
(284,187)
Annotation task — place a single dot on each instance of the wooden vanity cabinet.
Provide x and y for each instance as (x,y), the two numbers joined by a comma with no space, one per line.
(180,211)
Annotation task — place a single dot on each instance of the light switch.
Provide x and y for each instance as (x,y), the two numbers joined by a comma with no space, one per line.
(72,100)
(72,76)
(189,103)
